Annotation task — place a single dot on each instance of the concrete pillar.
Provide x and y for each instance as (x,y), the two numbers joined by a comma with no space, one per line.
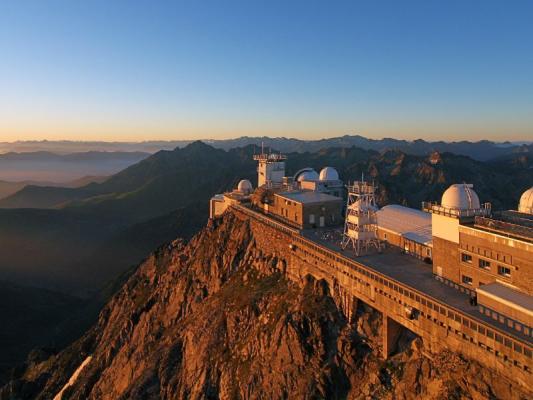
(353,307)
(391,332)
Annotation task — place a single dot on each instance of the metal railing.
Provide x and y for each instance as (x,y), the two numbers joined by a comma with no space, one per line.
(432,207)
(504,227)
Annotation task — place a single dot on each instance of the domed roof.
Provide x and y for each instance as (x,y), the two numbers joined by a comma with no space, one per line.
(460,196)
(526,202)
(307,175)
(329,174)
(245,186)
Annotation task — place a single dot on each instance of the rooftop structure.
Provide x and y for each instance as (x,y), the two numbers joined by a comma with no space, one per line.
(494,294)
(306,174)
(459,201)
(526,202)
(407,222)
(360,227)
(219,203)
(508,223)
(270,169)
(328,174)
(245,186)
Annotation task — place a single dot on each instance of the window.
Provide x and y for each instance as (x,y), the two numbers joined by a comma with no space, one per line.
(504,271)
(466,258)
(484,264)
(467,280)
(385,236)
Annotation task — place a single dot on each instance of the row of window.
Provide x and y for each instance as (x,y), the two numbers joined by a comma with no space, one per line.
(488,253)
(505,320)
(485,264)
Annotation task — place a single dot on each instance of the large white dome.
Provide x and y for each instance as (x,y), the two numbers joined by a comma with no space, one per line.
(526,202)
(460,196)
(329,174)
(307,175)
(245,186)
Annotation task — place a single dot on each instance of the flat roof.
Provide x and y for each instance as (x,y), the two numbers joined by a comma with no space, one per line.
(508,296)
(308,197)
(408,222)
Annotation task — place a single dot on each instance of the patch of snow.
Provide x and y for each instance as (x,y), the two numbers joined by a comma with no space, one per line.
(73,378)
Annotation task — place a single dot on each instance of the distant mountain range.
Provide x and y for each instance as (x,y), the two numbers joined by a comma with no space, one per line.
(44,166)
(9,188)
(481,150)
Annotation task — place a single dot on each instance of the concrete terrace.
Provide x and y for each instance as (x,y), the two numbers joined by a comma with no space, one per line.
(411,272)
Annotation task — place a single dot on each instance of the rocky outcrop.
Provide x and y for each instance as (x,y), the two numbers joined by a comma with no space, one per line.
(217,319)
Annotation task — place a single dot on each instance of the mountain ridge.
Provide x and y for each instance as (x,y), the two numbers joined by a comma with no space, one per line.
(215,318)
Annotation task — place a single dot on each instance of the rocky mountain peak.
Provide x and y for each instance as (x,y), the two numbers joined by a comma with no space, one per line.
(217,319)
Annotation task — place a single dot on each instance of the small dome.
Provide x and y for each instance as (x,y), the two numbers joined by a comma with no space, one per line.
(526,202)
(245,186)
(329,174)
(460,196)
(308,175)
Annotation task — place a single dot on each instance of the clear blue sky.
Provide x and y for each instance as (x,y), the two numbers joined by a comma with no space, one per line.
(140,70)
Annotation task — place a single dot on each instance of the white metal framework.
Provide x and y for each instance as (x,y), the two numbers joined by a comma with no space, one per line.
(361,219)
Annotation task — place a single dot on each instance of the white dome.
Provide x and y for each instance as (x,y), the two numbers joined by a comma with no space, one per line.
(460,196)
(245,186)
(526,202)
(307,175)
(329,174)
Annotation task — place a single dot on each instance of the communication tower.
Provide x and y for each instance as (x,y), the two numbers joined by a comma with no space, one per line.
(361,219)
(271,168)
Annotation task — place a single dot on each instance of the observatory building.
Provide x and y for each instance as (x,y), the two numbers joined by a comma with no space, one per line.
(486,254)
(220,202)
(306,200)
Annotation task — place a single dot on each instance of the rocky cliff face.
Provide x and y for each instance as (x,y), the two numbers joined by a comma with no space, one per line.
(216,319)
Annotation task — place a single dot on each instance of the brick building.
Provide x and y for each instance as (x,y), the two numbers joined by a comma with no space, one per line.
(489,255)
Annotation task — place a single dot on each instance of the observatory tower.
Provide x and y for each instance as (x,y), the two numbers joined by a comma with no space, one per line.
(361,219)
(271,168)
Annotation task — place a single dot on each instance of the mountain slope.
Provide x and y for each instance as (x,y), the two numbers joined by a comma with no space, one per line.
(26,311)
(47,166)
(217,319)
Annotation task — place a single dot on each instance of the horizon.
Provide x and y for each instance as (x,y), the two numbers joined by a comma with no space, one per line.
(129,71)
(207,140)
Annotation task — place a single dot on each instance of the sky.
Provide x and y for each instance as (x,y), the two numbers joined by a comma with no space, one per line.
(147,70)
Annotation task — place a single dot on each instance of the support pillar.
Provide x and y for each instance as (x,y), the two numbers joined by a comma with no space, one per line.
(391,332)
